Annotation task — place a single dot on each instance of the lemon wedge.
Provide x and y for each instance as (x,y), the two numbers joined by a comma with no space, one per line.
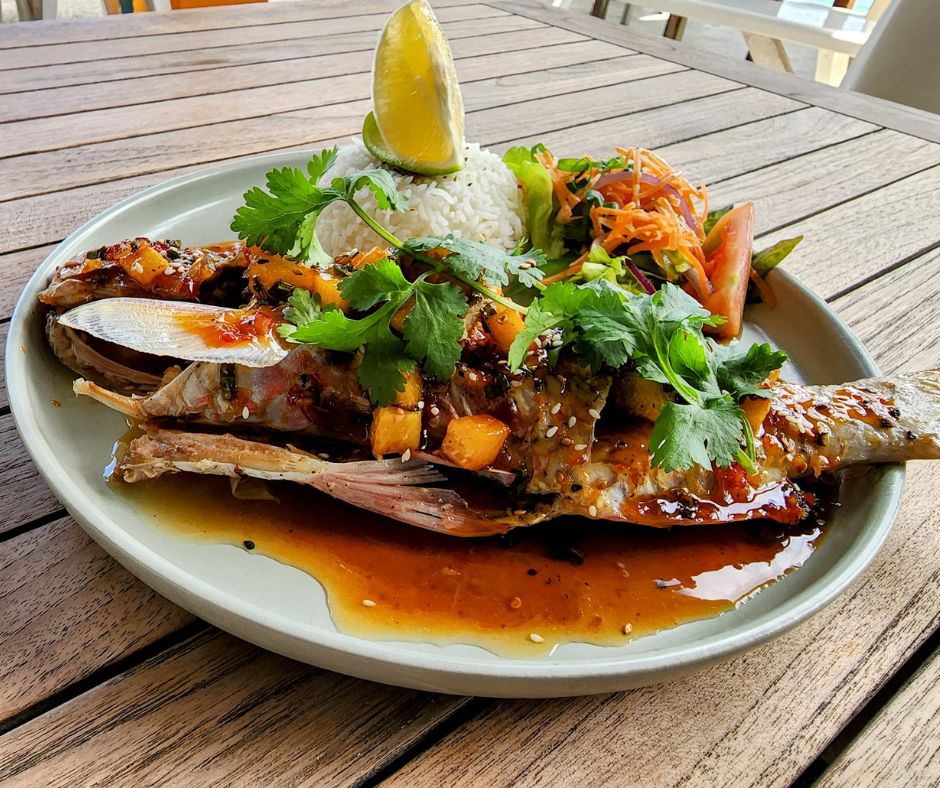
(417,120)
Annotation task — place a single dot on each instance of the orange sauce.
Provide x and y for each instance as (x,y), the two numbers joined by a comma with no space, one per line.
(231,328)
(521,595)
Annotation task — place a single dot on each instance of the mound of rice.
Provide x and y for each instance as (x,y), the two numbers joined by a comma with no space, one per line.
(481,202)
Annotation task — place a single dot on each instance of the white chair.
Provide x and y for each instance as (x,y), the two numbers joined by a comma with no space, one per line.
(901,61)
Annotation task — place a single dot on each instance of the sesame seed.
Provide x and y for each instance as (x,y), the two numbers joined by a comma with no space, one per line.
(323,455)
(550,433)
(245,412)
(592,510)
(137,268)
(516,603)
(406,456)
(472,376)
(515,383)
(580,446)
(435,410)
(168,271)
(594,414)
(420,404)
(536,638)
(368,603)
(567,442)
(627,629)
(572,421)
(556,407)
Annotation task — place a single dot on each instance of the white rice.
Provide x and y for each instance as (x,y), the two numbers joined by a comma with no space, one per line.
(480,202)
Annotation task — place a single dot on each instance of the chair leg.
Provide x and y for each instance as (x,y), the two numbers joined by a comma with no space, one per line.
(768,52)
(599,9)
(675,27)
(831,66)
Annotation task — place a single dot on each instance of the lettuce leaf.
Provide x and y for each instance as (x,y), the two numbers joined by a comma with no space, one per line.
(544,234)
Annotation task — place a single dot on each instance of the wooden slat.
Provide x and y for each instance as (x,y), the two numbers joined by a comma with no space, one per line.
(15,270)
(757,145)
(216,710)
(206,40)
(871,310)
(68,609)
(78,166)
(104,95)
(53,32)
(885,113)
(24,496)
(663,125)
(866,235)
(826,177)
(467,39)
(899,746)
(759,719)
(4,329)
(484,84)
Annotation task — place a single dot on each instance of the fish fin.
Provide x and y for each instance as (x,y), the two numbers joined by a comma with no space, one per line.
(392,488)
(129,406)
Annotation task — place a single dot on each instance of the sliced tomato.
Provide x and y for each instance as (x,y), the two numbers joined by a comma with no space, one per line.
(728,255)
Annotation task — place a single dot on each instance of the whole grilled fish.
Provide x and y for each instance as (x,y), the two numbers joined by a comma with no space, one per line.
(573,447)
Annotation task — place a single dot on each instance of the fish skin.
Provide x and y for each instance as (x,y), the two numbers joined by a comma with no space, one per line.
(808,430)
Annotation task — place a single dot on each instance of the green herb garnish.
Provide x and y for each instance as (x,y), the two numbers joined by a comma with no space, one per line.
(662,335)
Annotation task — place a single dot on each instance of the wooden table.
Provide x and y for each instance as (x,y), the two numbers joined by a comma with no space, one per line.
(104,681)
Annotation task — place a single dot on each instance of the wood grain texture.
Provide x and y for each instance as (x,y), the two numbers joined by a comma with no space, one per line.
(899,746)
(68,609)
(66,31)
(217,710)
(58,170)
(870,233)
(24,496)
(15,270)
(886,113)
(827,177)
(468,39)
(485,83)
(150,89)
(279,33)
(4,328)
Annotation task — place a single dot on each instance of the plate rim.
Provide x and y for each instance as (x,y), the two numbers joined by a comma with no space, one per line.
(534,677)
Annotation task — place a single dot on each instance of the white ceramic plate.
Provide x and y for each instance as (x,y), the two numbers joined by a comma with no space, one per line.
(285,610)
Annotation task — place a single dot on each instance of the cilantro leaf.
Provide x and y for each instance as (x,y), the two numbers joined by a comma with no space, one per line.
(558,304)
(273,219)
(741,373)
(607,330)
(766,260)
(334,331)
(434,326)
(474,260)
(379,182)
(383,365)
(320,162)
(685,435)
(688,356)
(373,284)
(304,308)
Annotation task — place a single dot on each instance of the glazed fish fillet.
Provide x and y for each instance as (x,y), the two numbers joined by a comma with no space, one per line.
(606,474)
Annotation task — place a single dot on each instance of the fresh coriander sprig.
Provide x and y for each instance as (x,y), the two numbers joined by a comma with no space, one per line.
(662,335)
(283,220)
